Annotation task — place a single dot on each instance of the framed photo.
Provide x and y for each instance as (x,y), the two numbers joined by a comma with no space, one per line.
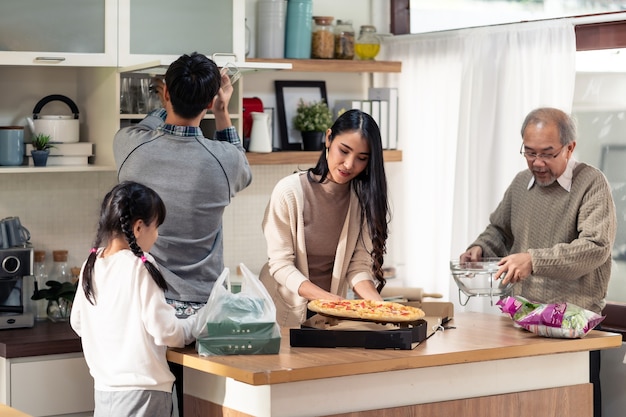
(288,95)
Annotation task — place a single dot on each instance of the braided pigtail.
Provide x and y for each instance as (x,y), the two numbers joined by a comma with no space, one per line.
(105,229)
(134,247)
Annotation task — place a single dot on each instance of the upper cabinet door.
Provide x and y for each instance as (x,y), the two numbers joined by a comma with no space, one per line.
(152,30)
(58,32)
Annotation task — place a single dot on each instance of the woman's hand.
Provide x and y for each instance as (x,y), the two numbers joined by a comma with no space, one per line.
(367,291)
(311,291)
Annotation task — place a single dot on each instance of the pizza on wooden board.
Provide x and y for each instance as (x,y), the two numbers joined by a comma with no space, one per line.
(383,311)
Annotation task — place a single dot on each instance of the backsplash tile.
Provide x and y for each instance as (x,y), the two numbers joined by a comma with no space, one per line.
(61,211)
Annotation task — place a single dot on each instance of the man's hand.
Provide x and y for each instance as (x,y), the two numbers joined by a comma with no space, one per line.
(223,96)
(517,267)
(220,104)
(473,254)
(159,87)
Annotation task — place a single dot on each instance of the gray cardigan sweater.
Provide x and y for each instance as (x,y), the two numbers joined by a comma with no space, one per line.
(569,236)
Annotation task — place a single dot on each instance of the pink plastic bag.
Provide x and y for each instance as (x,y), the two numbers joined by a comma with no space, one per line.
(562,320)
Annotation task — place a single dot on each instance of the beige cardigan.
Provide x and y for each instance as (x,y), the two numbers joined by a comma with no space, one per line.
(287,267)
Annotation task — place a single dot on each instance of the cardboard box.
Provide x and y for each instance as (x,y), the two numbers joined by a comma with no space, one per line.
(442,311)
(324,332)
(321,331)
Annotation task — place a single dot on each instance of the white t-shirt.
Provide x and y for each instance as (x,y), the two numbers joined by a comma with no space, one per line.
(126,333)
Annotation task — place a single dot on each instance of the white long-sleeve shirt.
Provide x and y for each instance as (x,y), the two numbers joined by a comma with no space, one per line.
(126,333)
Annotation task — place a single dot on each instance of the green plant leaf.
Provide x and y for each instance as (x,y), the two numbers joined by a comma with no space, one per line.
(313,117)
(55,291)
(41,142)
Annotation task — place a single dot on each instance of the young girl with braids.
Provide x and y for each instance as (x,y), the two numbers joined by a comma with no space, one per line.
(120,311)
(326,228)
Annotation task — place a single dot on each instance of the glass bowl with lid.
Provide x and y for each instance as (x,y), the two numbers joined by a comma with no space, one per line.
(477,279)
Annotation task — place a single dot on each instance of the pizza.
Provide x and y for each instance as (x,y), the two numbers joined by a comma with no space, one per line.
(380,311)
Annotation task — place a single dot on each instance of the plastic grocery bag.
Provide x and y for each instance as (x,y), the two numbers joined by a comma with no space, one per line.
(238,323)
(561,320)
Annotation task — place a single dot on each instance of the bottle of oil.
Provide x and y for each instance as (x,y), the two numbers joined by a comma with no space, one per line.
(368,44)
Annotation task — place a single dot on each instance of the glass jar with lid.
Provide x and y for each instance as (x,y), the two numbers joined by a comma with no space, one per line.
(368,44)
(41,277)
(60,272)
(323,38)
(344,39)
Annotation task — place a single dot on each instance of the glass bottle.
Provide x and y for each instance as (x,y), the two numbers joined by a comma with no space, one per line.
(60,271)
(323,38)
(344,39)
(368,44)
(247,39)
(41,277)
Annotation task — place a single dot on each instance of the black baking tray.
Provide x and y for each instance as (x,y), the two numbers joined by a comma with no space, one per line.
(405,337)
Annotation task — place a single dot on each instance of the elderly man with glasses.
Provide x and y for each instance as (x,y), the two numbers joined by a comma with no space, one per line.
(555,225)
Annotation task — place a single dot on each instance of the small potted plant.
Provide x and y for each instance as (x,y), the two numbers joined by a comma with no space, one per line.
(41,149)
(60,297)
(312,120)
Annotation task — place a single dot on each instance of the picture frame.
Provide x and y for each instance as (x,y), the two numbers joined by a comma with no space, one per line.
(288,95)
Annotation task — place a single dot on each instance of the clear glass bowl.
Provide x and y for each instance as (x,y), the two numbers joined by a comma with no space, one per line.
(476,279)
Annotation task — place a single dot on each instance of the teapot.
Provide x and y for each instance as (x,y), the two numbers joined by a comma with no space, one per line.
(61,128)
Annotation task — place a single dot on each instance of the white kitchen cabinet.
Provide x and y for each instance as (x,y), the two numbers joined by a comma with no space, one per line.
(50,385)
(163,30)
(58,32)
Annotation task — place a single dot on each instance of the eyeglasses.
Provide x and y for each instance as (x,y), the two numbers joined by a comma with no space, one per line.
(545,157)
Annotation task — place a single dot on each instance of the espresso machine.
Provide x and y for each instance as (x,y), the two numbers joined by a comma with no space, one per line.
(16,287)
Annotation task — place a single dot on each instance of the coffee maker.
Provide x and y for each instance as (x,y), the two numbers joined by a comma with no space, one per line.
(16,287)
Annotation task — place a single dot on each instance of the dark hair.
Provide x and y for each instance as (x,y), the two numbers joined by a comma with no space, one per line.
(370,185)
(564,122)
(192,82)
(125,204)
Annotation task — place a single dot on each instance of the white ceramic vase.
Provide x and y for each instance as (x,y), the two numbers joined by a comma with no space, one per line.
(260,140)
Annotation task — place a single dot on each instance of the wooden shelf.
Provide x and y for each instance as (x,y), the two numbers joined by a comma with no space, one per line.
(335,65)
(302,157)
(25,169)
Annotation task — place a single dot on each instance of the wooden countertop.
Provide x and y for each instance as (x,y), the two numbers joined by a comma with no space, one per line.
(45,338)
(476,337)
(6,411)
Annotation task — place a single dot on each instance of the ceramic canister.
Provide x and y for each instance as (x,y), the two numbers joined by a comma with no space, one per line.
(271,28)
(11,145)
(298,29)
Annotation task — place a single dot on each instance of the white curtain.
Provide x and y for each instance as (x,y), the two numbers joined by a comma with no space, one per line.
(463,97)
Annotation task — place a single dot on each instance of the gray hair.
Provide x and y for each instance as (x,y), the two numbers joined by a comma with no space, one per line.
(546,115)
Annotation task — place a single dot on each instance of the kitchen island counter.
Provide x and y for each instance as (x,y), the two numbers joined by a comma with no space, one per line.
(482,357)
